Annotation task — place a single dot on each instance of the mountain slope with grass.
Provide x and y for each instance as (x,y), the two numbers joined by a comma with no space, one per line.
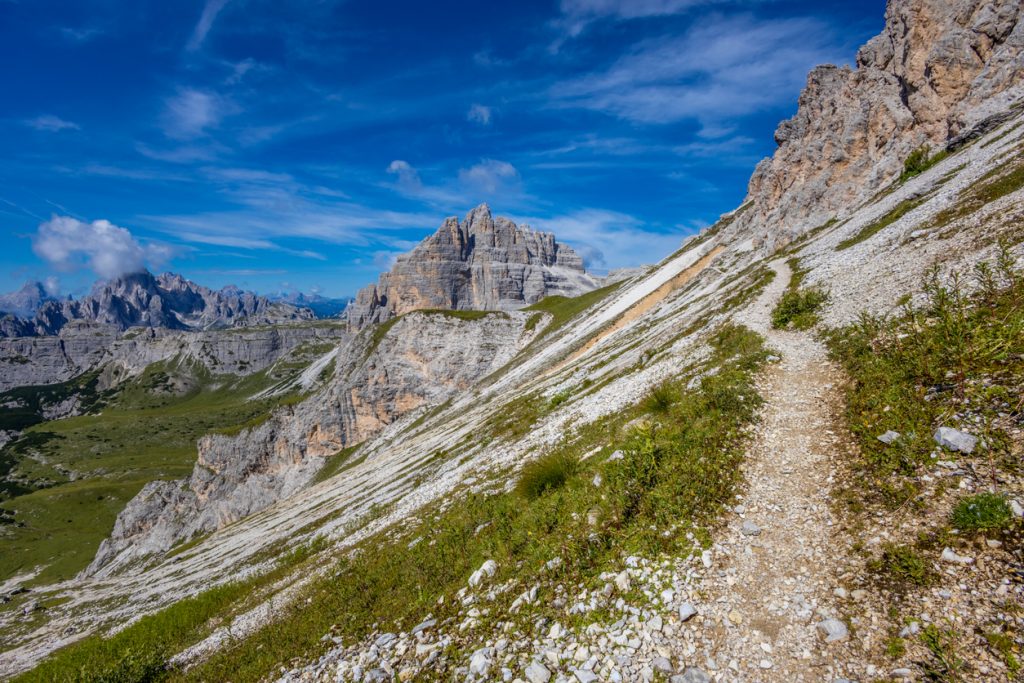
(790,451)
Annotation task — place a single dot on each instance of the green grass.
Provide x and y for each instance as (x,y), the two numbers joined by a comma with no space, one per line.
(902,565)
(919,161)
(1007,650)
(945,664)
(141,435)
(546,474)
(798,307)
(677,475)
(338,463)
(563,309)
(982,512)
(955,352)
(873,228)
(995,184)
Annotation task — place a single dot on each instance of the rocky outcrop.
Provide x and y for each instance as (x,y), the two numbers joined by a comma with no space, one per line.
(482,263)
(167,301)
(423,359)
(937,69)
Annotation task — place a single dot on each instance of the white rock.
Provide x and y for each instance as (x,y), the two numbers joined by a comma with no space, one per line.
(833,630)
(480,662)
(486,570)
(686,612)
(537,673)
(949,556)
(955,440)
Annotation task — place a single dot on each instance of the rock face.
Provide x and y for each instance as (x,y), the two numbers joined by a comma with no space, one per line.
(168,301)
(938,68)
(482,263)
(424,359)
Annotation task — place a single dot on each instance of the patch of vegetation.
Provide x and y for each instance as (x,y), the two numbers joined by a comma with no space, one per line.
(995,184)
(798,307)
(339,462)
(901,565)
(919,161)
(1003,644)
(546,474)
(563,309)
(873,228)
(945,664)
(982,512)
(78,473)
(676,477)
(956,352)
(662,398)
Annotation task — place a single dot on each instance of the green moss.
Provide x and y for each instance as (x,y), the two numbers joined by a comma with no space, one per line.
(901,565)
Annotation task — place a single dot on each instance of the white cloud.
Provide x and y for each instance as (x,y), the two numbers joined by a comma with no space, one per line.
(52,285)
(490,176)
(210,11)
(108,250)
(191,112)
(51,124)
(721,69)
(608,239)
(479,114)
(408,177)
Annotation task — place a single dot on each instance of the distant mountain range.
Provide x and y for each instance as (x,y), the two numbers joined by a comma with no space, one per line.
(143,299)
(322,306)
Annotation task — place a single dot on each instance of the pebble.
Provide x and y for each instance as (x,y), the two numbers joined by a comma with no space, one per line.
(833,630)
(686,612)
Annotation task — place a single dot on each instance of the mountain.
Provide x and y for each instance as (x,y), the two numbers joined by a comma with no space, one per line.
(322,306)
(787,452)
(167,301)
(26,301)
(481,263)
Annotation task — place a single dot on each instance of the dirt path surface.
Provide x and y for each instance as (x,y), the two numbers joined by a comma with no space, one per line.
(770,589)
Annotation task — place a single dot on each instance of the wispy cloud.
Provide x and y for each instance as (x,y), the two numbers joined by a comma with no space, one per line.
(608,239)
(107,250)
(51,124)
(190,113)
(479,114)
(210,11)
(490,176)
(80,34)
(723,68)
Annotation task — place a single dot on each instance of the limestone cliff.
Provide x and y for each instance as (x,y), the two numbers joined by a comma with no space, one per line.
(939,68)
(423,359)
(481,263)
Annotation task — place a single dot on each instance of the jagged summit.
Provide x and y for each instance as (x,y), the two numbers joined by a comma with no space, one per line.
(25,301)
(143,299)
(480,263)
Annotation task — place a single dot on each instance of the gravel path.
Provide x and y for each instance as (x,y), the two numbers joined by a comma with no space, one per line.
(770,587)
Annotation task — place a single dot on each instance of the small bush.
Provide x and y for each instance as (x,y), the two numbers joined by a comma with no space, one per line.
(662,398)
(902,564)
(798,309)
(982,512)
(919,161)
(546,474)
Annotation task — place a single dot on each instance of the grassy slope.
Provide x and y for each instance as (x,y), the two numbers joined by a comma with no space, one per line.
(680,468)
(140,436)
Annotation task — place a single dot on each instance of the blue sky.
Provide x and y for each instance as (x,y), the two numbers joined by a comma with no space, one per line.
(301,145)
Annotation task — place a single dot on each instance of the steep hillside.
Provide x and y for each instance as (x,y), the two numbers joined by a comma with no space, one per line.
(482,263)
(788,452)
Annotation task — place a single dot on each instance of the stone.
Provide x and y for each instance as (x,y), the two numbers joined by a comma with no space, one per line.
(537,673)
(955,440)
(622,581)
(617,455)
(480,661)
(889,437)
(948,555)
(686,612)
(833,630)
(423,626)
(691,674)
(486,571)
(662,665)
(749,528)
(1016,507)
(584,676)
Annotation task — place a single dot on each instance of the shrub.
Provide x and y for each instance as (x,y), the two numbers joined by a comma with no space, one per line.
(546,474)
(981,512)
(916,163)
(798,309)
(662,398)
(903,565)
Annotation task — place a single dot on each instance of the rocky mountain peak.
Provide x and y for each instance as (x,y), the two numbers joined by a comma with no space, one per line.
(25,301)
(478,263)
(938,69)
